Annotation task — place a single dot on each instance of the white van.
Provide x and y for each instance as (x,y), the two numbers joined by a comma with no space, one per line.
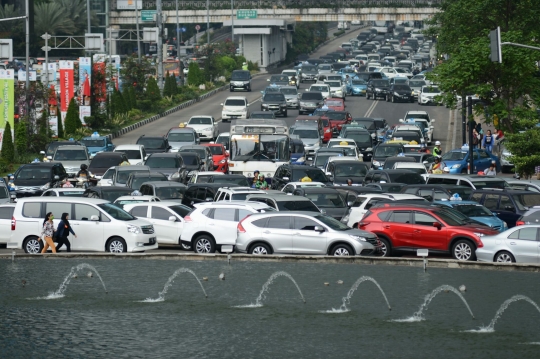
(6,214)
(234,107)
(99,225)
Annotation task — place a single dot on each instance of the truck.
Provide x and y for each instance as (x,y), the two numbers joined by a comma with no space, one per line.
(343,25)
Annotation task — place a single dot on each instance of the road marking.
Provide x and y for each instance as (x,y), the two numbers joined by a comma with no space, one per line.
(371,108)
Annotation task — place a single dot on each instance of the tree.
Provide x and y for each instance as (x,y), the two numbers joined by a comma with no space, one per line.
(127,98)
(524,148)
(152,90)
(72,122)
(135,74)
(21,138)
(53,19)
(195,76)
(132,97)
(8,152)
(167,89)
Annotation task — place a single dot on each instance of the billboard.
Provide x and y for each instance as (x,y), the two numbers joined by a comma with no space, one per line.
(7,101)
(66,86)
(128,4)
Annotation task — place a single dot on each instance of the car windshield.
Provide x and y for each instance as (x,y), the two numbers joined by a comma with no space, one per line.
(315,174)
(306,133)
(34,173)
(350,169)
(333,103)
(287,91)
(200,151)
(473,210)
(138,181)
(116,212)
(70,155)
(105,161)
(406,136)
(450,217)
(359,137)
(417,83)
(358,82)
(190,159)
(526,201)
(387,151)
(216,150)
(272,89)
(181,137)
(152,143)
(132,154)
(279,78)
(325,67)
(454,156)
(332,223)
(319,88)
(93,143)
(322,159)
(312,96)
(112,195)
(122,176)
(431,89)
(231,180)
(263,115)
(333,83)
(200,121)
(501,184)
(381,83)
(309,68)
(240,75)
(68,193)
(334,77)
(407,178)
(370,125)
(235,102)
(170,192)
(326,200)
(292,205)
(260,148)
(274,97)
(162,162)
(337,116)
(419,170)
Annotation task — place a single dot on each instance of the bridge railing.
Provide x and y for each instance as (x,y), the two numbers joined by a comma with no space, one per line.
(287,4)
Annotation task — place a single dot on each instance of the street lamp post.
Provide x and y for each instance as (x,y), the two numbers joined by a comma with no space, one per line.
(232,23)
(138,34)
(207,23)
(159,20)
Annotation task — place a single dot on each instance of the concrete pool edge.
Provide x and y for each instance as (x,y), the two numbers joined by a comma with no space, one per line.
(409,262)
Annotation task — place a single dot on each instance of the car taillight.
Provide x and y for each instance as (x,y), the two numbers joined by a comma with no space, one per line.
(187,219)
(13,223)
(241,228)
(362,224)
(520,223)
(479,243)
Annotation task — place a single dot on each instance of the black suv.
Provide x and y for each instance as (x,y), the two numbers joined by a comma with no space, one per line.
(202,192)
(377,89)
(508,205)
(154,144)
(383,151)
(274,102)
(393,176)
(400,92)
(294,173)
(164,190)
(34,178)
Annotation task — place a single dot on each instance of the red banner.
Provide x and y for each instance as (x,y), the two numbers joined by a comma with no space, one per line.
(66,86)
(99,84)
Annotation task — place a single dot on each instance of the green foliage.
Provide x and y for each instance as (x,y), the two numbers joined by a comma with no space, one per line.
(96,122)
(127,98)
(72,122)
(170,88)
(8,152)
(228,63)
(195,75)
(43,133)
(132,97)
(21,138)
(152,90)
(239,61)
(524,148)
(253,66)
(340,32)
(135,73)
(307,36)
(118,105)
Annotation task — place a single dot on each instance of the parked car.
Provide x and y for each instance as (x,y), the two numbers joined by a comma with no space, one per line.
(410,227)
(476,212)
(154,144)
(136,179)
(169,164)
(60,192)
(213,225)
(294,173)
(205,126)
(122,201)
(457,160)
(201,192)
(118,175)
(284,202)
(518,244)
(102,161)
(182,136)
(71,157)
(301,233)
(136,154)
(341,171)
(100,225)
(110,193)
(328,200)
(164,190)
(34,178)
(6,217)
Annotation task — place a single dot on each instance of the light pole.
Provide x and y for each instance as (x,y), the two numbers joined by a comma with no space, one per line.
(178,33)
(207,23)
(232,23)
(159,16)
(27,85)
(138,34)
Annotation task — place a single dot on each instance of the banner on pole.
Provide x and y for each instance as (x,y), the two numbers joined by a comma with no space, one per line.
(66,86)
(53,111)
(84,93)
(7,101)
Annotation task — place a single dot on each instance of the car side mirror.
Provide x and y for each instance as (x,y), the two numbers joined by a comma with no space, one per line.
(209,199)
(221,104)
(350,204)
(172,219)
(94,218)
(437,225)
(319,229)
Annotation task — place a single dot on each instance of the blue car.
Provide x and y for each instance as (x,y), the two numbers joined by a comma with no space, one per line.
(457,160)
(357,87)
(347,71)
(476,211)
(97,143)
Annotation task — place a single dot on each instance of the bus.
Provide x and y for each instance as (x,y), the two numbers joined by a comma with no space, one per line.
(261,145)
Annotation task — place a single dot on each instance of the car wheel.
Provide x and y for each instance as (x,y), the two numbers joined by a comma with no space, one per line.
(204,244)
(116,245)
(342,250)
(32,245)
(504,257)
(463,250)
(386,248)
(249,89)
(260,249)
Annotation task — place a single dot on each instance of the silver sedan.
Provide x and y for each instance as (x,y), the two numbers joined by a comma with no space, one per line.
(519,244)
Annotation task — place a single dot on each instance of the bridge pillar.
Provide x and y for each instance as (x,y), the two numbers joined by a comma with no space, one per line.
(264,41)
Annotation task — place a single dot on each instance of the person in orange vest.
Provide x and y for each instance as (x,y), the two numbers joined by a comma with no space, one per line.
(436,166)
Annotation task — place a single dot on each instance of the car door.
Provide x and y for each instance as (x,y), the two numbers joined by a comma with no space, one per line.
(425,235)
(278,232)
(507,211)
(6,213)
(90,234)
(223,225)
(306,240)
(399,228)
(166,231)
(524,245)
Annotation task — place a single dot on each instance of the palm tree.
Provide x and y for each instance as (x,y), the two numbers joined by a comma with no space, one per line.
(76,12)
(8,11)
(52,18)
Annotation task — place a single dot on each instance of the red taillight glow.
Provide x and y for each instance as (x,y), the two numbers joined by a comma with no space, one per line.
(187,219)
(241,228)
(520,223)
(479,242)
(13,223)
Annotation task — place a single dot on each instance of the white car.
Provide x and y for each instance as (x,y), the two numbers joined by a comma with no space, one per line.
(203,176)
(341,142)
(291,186)
(364,202)
(100,225)
(409,128)
(323,89)
(429,95)
(64,192)
(234,107)
(136,154)
(212,225)
(421,78)
(424,126)
(124,201)
(205,126)
(419,168)
(390,72)
(362,58)
(167,217)
(337,89)
(6,215)
(401,72)
(417,114)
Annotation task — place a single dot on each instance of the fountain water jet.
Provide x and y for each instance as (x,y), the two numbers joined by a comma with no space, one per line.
(347,299)
(266,288)
(491,327)
(72,274)
(170,282)
(418,316)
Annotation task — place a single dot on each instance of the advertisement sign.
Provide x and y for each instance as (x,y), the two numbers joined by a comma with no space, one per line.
(66,86)
(21,75)
(53,111)
(84,91)
(128,4)
(7,101)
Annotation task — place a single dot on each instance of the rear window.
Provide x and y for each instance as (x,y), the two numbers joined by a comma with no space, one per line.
(152,143)
(6,212)
(312,96)
(238,102)
(70,155)
(489,184)
(407,178)
(297,206)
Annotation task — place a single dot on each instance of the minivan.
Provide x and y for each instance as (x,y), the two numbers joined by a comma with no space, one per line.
(473,181)
(99,225)
(240,79)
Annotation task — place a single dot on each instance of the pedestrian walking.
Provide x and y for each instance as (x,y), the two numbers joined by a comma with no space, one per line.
(48,233)
(488,140)
(62,233)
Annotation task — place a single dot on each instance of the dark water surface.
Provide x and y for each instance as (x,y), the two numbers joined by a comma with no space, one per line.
(89,323)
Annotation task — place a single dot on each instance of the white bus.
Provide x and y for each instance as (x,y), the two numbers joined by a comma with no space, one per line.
(261,145)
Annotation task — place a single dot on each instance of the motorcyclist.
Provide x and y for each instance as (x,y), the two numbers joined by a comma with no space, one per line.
(293,80)
(84,173)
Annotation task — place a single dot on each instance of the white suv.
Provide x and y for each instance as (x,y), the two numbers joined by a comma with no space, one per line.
(213,225)
(234,107)
(235,193)
(99,225)
(135,154)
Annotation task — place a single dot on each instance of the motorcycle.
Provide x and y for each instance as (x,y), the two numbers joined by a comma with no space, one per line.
(292,82)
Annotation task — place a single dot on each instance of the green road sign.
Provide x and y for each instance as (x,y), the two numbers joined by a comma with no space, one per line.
(148,15)
(246,14)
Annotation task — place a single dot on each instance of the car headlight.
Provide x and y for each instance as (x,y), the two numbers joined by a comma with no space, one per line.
(302,103)
(358,238)
(223,161)
(478,234)
(282,105)
(457,165)
(175,175)
(264,105)
(301,159)
(396,94)
(133,229)
(327,131)
(46,186)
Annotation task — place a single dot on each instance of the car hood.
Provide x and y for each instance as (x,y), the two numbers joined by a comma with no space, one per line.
(96,149)
(192,167)
(180,144)
(360,233)
(334,212)
(291,96)
(199,126)
(234,108)
(71,166)
(309,141)
(402,92)
(490,221)
(217,158)
(98,171)
(478,228)
(273,102)
(38,182)
(359,86)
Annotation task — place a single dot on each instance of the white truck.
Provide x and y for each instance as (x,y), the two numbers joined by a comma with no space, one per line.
(343,25)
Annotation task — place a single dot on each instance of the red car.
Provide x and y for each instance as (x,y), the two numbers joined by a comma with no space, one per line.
(338,119)
(411,227)
(336,104)
(219,156)
(327,129)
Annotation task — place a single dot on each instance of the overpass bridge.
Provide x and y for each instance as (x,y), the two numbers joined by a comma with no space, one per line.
(195,11)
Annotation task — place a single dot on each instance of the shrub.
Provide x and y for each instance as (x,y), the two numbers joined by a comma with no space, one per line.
(73,122)
(8,152)
(195,75)
(253,66)
(21,138)
(152,90)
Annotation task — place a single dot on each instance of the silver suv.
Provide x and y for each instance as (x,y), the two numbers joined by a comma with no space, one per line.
(72,157)
(302,233)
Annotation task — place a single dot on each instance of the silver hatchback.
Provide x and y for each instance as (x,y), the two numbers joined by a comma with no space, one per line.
(302,233)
